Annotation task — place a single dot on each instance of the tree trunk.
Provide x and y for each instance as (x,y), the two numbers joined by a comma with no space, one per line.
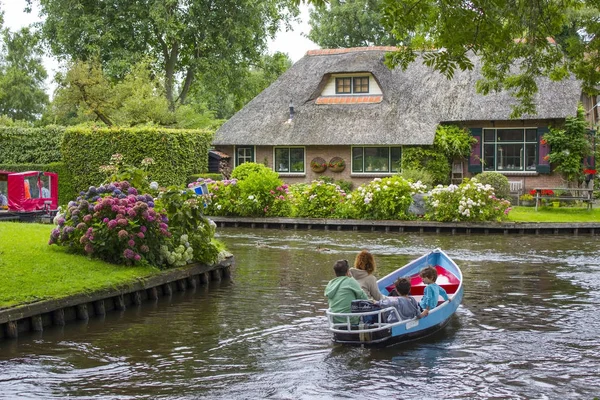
(170,75)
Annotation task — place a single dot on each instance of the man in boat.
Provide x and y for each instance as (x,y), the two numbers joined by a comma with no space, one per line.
(341,290)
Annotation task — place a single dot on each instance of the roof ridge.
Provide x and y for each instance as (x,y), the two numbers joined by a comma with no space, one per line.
(322,52)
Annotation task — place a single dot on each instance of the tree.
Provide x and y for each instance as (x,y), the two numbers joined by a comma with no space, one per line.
(22,75)
(350,23)
(517,41)
(186,37)
(570,146)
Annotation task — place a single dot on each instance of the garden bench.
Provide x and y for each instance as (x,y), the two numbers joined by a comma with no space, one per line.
(516,189)
(576,194)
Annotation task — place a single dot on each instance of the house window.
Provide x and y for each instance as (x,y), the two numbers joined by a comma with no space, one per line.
(376,159)
(289,160)
(244,155)
(357,84)
(361,84)
(513,149)
(343,85)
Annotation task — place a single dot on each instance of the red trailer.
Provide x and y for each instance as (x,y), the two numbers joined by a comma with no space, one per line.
(30,191)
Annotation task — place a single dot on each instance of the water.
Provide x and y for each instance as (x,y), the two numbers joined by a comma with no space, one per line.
(527,328)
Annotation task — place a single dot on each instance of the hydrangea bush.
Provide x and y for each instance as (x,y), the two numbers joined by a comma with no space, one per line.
(318,200)
(385,198)
(114,223)
(470,201)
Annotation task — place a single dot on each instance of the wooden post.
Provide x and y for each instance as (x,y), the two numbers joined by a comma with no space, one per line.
(82,312)
(204,279)
(191,281)
(226,272)
(120,302)
(99,308)
(181,285)
(136,298)
(153,293)
(215,275)
(167,289)
(36,323)
(12,330)
(58,317)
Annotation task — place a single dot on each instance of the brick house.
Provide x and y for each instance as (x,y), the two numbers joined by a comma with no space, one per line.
(346,103)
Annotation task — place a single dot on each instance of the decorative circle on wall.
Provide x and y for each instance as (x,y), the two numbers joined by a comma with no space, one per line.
(337,164)
(318,164)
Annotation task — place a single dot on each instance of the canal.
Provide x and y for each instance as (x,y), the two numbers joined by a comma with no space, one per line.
(528,327)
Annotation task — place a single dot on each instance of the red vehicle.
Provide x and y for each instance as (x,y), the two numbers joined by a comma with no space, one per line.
(28,191)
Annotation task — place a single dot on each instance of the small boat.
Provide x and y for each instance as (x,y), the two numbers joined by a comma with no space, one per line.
(351,328)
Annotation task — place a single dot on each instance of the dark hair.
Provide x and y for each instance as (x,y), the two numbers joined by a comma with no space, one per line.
(429,272)
(402,286)
(341,267)
(365,261)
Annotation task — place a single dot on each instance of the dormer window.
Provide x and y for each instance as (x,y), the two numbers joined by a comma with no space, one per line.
(349,85)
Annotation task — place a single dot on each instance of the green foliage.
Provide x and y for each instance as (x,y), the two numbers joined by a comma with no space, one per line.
(497,181)
(189,227)
(470,201)
(22,75)
(176,153)
(417,175)
(453,141)
(318,200)
(384,198)
(186,42)
(569,147)
(222,198)
(435,163)
(21,145)
(346,186)
(263,194)
(503,34)
(351,23)
(243,170)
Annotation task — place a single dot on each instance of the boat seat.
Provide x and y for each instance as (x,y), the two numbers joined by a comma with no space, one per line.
(445,279)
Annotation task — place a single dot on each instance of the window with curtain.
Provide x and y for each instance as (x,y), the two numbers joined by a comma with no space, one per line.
(510,149)
(376,159)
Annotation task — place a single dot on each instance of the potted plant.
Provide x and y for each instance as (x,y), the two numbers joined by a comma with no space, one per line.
(318,164)
(526,200)
(337,164)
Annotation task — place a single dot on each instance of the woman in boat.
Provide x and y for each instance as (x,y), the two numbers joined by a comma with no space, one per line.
(364,267)
(432,290)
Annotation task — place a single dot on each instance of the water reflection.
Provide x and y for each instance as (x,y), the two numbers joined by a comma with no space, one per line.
(527,328)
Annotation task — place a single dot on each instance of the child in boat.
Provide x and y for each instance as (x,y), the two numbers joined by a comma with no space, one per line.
(364,268)
(432,290)
(341,290)
(407,306)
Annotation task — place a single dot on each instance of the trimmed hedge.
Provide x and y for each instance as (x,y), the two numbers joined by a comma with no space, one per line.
(206,175)
(66,191)
(177,153)
(22,145)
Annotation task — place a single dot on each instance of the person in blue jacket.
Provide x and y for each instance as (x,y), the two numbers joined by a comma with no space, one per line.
(432,290)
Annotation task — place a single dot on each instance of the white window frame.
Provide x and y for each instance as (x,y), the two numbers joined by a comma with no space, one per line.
(235,154)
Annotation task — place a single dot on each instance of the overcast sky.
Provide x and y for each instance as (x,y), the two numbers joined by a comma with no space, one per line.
(292,43)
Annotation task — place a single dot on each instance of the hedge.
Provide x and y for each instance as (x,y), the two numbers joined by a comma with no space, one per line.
(66,191)
(22,145)
(177,153)
(206,175)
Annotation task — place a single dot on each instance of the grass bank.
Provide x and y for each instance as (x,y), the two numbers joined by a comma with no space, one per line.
(30,270)
(554,214)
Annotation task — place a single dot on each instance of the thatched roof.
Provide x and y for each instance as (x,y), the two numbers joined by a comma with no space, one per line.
(414,102)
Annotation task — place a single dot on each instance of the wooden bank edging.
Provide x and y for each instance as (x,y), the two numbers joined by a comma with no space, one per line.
(506,228)
(36,316)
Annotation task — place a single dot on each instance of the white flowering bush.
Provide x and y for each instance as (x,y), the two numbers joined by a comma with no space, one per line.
(318,200)
(384,198)
(470,201)
(181,254)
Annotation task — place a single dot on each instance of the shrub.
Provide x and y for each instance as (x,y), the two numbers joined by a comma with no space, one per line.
(387,198)
(428,159)
(526,197)
(243,170)
(222,197)
(318,200)
(114,223)
(470,201)
(263,194)
(417,175)
(205,175)
(498,181)
(346,186)
(23,145)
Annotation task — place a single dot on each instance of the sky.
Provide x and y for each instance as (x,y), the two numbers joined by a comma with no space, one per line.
(293,43)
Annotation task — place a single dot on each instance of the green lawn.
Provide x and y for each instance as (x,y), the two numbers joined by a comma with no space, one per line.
(551,214)
(30,270)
